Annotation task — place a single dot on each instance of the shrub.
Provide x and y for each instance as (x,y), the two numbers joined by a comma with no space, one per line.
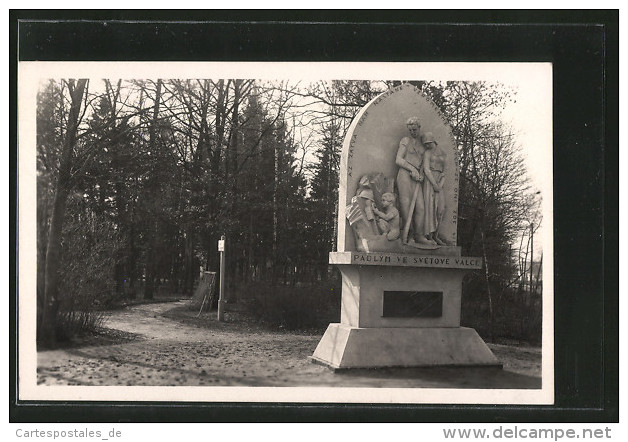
(295,307)
(515,315)
(87,284)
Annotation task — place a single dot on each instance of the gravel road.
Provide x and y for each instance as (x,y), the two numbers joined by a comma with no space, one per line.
(169,351)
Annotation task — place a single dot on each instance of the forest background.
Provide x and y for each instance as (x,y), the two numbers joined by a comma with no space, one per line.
(138,179)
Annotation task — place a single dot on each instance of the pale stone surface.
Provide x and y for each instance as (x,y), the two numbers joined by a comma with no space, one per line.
(344,346)
(371,145)
(363,293)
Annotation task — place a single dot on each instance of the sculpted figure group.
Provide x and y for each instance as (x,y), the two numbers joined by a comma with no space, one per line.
(376,214)
(420,180)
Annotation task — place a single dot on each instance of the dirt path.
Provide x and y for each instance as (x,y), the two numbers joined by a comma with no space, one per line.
(173,353)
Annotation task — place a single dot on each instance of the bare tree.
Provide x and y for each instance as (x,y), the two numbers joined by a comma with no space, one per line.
(62,189)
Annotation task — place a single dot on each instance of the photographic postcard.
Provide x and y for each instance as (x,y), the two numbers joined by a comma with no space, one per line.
(158,160)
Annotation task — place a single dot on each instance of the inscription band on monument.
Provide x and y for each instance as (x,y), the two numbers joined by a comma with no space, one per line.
(395,259)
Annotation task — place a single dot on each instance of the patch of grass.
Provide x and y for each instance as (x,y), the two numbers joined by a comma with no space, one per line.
(237,318)
(301,307)
(98,337)
(122,303)
(233,319)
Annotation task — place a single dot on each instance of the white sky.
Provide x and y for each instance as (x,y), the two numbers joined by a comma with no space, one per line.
(529,115)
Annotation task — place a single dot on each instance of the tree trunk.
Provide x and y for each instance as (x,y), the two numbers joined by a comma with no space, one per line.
(151,257)
(488,292)
(213,179)
(234,194)
(48,327)
(275,211)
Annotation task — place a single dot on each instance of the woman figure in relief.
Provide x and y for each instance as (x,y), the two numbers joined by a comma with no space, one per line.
(433,195)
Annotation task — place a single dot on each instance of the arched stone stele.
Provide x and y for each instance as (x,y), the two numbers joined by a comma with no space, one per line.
(370,146)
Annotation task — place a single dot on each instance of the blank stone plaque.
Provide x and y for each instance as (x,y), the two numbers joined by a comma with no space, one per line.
(413,304)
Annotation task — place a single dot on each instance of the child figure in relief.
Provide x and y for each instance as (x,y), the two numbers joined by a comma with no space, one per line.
(389,219)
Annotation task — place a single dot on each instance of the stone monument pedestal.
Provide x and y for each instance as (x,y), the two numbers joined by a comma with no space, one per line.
(343,347)
(396,242)
(401,311)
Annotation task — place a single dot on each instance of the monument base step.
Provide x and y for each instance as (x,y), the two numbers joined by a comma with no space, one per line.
(343,346)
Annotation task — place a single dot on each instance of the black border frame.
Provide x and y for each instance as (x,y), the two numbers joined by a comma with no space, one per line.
(583,47)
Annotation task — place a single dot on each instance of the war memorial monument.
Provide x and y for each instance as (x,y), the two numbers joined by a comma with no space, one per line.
(397,221)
